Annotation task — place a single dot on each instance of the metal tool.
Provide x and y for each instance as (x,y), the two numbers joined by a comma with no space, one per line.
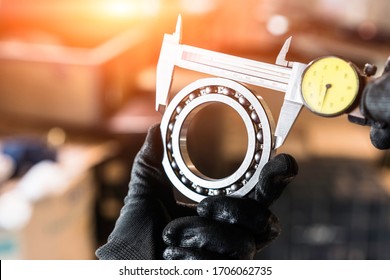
(284,76)
(330,85)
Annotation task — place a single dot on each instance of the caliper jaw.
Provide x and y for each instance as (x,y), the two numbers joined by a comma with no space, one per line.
(166,66)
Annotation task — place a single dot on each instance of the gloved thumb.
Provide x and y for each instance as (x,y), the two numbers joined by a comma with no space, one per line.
(148,177)
(274,177)
(380,137)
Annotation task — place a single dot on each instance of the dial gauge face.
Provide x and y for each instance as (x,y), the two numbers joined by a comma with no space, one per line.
(329,86)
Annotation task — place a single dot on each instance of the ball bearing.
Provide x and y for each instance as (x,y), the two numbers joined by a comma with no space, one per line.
(174,126)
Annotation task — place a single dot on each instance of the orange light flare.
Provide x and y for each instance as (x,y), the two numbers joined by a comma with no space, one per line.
(101,8)
(129,8)
(120,8)
(78,22)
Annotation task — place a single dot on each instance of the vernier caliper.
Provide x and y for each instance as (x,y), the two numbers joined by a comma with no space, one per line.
(283,76)
(327,86)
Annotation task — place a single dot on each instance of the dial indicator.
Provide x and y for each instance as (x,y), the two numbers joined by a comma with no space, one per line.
(330,86)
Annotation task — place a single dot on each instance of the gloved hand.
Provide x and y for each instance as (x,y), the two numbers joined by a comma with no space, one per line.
(148,207)
(223,227)
(376,107)
(230,227)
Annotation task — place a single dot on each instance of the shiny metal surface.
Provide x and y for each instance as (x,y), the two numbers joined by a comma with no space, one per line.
(174,126)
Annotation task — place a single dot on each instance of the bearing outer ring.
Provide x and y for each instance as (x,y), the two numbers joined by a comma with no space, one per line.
(191,99)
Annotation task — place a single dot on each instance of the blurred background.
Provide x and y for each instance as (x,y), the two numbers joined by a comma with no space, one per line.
(77,93)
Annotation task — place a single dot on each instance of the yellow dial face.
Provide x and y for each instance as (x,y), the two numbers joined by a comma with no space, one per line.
(329,86)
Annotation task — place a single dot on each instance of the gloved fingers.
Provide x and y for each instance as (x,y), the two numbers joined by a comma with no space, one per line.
(274,177)
(375,101)
(148,177)
(380,137)
(243,212)
(208,235)
(253,215)
(179,253)
(152,149)
(272,232)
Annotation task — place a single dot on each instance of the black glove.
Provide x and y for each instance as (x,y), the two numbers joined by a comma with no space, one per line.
(148,208)
(230,227)
(376,107)
(150,205)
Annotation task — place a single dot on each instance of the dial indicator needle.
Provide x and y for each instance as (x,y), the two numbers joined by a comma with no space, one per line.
(327,87)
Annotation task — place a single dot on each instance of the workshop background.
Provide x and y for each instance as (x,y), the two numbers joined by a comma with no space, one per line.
(77,92)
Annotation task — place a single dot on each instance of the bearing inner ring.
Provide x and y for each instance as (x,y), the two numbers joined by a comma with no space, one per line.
(174,126)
